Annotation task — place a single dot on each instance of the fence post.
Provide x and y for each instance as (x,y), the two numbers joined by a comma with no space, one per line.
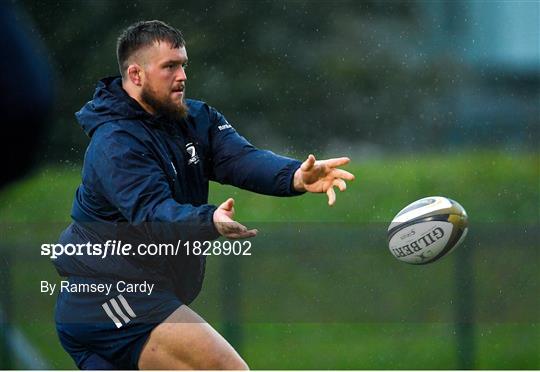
(5,308)
(464,309)
(232,329)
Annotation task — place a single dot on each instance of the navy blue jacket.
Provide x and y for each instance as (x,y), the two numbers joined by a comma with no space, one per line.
(146,179)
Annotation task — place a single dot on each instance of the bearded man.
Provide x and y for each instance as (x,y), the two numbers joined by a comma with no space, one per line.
(145,178)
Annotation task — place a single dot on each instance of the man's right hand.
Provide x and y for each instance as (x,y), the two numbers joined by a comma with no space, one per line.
(227,226)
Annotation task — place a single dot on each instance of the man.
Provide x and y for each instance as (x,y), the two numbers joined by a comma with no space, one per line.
(145,178)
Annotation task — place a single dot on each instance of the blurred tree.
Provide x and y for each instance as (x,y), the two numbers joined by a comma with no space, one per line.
(287,74)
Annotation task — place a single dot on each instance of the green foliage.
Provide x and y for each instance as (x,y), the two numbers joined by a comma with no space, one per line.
(280,71)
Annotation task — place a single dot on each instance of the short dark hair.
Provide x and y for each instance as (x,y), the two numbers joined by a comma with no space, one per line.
(143,34)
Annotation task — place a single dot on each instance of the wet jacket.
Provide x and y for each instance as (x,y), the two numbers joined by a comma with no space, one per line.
(146,179)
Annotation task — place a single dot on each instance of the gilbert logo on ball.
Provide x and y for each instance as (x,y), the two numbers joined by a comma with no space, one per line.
(427,229)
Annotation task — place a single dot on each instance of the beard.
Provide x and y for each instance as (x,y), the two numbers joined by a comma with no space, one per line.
(165,107)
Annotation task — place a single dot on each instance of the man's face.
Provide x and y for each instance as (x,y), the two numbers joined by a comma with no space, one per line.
(164,82)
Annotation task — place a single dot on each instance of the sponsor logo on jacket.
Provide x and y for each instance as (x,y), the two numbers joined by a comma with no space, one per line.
(194,158)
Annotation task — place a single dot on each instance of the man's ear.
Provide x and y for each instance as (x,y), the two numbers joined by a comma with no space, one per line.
(134,73)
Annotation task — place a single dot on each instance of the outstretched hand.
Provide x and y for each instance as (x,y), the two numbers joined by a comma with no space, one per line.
(321,176)
(227,226)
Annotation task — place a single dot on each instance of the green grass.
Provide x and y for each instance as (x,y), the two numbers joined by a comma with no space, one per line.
(386,346)
(281,286)
(492,186)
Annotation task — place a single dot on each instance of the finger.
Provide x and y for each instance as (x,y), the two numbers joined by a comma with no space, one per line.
(331,196)
(308,164)
(340,173)
(336,162)
(227,204)
(244,235)
(340,184)
(234,227)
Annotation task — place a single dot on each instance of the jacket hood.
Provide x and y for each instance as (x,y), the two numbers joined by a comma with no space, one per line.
(110,102)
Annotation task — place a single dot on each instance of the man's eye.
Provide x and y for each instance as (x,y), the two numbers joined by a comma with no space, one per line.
(184,66)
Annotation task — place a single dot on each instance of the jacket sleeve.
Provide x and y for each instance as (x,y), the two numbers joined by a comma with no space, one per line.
(131,179)
(237,162)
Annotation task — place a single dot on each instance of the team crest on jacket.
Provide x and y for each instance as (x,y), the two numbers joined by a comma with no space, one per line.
(194,158)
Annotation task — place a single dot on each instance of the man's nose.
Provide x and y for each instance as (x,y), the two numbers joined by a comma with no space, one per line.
(181,74)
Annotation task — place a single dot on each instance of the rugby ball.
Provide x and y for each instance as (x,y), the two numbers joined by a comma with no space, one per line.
(427,229)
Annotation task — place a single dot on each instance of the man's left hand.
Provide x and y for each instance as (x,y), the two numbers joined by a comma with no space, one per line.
(321,176)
